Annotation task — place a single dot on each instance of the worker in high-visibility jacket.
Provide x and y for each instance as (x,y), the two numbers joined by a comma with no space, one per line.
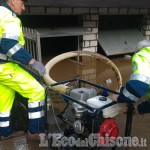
(14,78)
(139,83)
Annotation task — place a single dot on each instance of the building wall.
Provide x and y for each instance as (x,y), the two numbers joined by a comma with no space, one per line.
(146,26)
(90,20)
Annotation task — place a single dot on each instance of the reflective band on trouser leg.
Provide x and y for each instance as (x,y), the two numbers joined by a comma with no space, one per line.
(36,104)
(4,119)
(36,117)
(4,124)
(129,95)
(36,113)
(13,50)
(27,86)
(5,129)
(6,102)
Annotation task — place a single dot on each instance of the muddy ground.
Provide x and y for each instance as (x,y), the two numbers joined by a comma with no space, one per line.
(140,124)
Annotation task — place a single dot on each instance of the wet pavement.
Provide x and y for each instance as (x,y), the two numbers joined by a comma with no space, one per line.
(140,124)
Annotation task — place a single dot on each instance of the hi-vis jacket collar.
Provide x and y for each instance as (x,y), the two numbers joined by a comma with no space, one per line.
(8,7)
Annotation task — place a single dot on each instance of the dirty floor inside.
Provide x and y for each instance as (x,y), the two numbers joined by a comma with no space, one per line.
(140,125)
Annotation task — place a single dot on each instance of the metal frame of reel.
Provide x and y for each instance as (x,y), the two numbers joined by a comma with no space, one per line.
(98,112)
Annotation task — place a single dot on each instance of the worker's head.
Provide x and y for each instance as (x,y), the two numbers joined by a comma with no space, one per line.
(142,44)
(17,5)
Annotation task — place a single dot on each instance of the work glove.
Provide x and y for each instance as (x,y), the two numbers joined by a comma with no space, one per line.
(39,67)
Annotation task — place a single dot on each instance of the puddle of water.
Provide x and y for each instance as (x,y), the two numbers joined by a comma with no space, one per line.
(90,69)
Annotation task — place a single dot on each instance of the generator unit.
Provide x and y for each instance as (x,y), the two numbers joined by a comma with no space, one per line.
(89,112)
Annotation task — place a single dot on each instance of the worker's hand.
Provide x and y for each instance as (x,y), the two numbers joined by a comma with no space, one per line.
(113,98)
(39,67)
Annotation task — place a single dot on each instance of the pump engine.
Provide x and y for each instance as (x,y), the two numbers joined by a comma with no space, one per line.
(84,121)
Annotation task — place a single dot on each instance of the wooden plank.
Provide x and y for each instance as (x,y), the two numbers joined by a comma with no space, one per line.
(32,43)
(38,47)
(62,31)
(76,62)
(89,3)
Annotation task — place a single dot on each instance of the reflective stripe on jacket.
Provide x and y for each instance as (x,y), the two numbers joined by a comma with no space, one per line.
(141,74)
(11,36)
(13,29)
